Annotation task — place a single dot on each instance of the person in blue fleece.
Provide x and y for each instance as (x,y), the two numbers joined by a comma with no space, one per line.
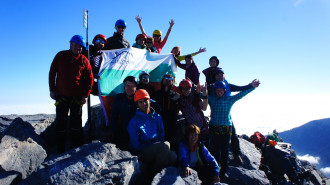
(193,154)
(146,132)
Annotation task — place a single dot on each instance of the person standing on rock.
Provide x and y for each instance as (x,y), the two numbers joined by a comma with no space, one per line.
(146,132)
(95,56)
(117,41)
(123,109)
(221,123)
(211,71)
(220,76)
(70,83)
(168,101)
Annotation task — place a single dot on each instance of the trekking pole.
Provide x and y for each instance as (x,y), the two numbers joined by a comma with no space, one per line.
(85,23)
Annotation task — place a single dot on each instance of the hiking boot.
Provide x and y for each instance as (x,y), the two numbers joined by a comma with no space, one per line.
(238,160)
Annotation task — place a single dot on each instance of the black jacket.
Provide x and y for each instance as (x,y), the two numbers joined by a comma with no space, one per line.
(117,41)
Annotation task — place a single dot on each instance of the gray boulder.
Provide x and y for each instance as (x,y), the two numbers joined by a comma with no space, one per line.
(249,172)
(171,175)
(95,129)
(19,148)
(95,163)
(9,177)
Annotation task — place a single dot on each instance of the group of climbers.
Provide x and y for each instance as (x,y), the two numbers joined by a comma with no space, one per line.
(144,119)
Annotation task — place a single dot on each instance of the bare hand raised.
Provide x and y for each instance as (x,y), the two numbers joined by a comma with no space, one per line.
(172,23)
(138,18)
(255,83)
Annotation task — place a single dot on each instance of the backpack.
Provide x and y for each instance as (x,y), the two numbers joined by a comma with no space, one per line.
(258,139)
(273,137)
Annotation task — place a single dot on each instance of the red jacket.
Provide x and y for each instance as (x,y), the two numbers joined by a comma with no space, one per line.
(70,75)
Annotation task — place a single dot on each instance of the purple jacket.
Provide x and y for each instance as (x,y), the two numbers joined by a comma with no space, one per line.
(192,72)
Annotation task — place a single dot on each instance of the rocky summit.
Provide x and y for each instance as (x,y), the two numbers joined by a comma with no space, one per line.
(27,157)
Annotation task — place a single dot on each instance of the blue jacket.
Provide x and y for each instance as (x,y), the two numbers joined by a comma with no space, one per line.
(229,88)
(145,129)
(204,157)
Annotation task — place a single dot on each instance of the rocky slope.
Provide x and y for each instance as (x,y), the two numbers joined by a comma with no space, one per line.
(26,157)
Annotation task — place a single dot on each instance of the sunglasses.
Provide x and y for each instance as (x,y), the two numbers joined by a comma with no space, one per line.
(168,78)
(145,77)
(121,27)
(100,41)
(156,35)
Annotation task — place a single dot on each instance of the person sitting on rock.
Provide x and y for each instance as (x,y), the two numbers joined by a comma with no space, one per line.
(146,132)
(144,83)
(123,110)
(221,123)
(193,154)
(192,107)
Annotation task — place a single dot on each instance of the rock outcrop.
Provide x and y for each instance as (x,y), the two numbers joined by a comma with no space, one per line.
(23,159)
(20,148)
(95,163)
(171,175)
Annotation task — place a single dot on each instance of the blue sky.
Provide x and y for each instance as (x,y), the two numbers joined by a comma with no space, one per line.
(284,43)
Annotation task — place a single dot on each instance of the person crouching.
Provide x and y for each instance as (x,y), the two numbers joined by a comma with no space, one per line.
(193,154)
(147,134)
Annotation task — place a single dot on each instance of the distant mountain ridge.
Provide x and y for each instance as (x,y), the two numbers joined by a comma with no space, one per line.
(312,138)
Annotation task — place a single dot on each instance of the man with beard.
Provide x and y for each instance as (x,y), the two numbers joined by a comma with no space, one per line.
(70,82)
(117,41)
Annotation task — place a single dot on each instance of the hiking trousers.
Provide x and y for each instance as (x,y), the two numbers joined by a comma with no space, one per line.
(64,105)
(219,149)
(235,142)
(158,155)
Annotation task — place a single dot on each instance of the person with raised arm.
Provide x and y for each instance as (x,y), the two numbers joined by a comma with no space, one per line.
(221,123)
(159,43)
(177,53)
